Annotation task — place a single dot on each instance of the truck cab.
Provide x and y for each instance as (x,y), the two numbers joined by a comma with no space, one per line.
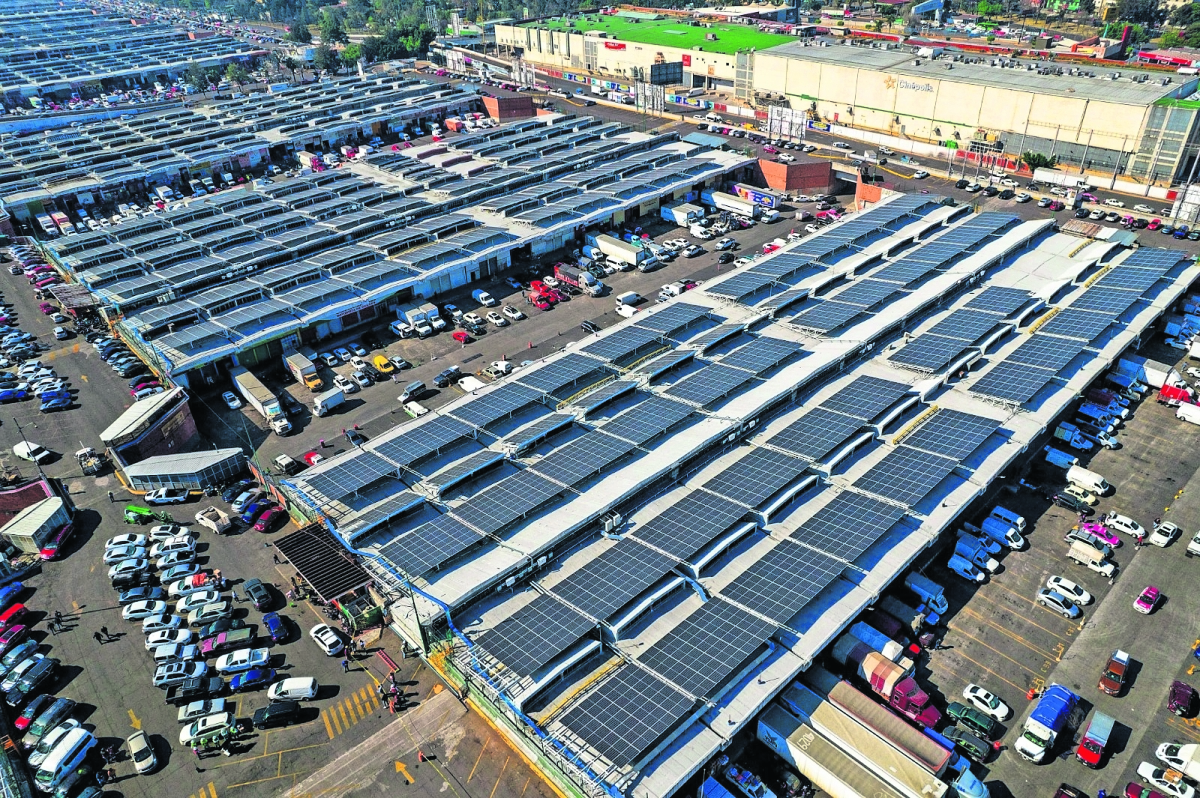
(1094,741)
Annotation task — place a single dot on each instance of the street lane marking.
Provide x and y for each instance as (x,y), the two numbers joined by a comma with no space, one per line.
(1009,633)
(341,708)
(497,784)
(402,768)
(478,758)
(328,728)
(336,722)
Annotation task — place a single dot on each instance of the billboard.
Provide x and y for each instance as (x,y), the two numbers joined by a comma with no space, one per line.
(666,74)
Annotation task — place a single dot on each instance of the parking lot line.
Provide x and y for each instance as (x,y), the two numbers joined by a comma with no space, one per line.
(989,670)
(330,713)
(1008,633)
(478,758)
(1026,618)
(990,648)
(328,727)
(358,705)
(1185,726)
(497,784)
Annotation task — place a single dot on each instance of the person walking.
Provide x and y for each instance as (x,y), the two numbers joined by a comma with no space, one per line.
(277,560)
(98,638)
(345,666)
(58,616)
(104,631)
(111,497)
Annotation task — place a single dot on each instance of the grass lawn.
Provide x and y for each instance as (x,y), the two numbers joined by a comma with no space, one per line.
(675,33)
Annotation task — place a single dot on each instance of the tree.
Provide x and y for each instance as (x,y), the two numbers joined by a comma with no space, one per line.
(1171,38)
(195,75)
(325,57)
(987,8)
(298,30)
(332,31)
(1143,12)
(1035,160)
(290,64)
(350,55)
(236,74)
(1186,15)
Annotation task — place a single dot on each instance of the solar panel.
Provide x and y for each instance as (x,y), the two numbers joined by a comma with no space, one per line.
(1012,382)
(816,434)
(866,293)
(903,272)
(708,384)
(661,365)
(1082,325)
(351,474)
(951,433)
(934,253)
(827,316)
(582,458)
(539,430)
(610,391)
(1155,259)
(848,525)
(784,299)
(549,377)
(741,286)
(761,354)
(708,646)
(1137,280)
(671,318)
(906,475)
(509,499)
(690,524)
(715,336)
(647,421)
(465,468)
(534,635)
(419,440)
(756,477)
(607,583)
(1112,301)
(623,345)
(489,408)
(1045,352)
(429,545)
(627,715)
(780,584)
(965,325)
(866,397)
(929,352)
(786,264)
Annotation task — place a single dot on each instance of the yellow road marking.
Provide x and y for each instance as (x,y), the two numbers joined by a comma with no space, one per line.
(478,758)
(402,768)
(85,379)
(1024,617)
(212,790)
(358,705)
(1007,633)
(342,711)
(997,651)
(330,713)
(328,728)
(497,784)
(989,670)
(245,759)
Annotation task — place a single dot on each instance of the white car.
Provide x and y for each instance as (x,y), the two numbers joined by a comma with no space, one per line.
(231,400)
(199,709)
(174,652)
(31,452)
(117,553)
(1059,191)
(143,609)
(168,637)
(167,496)
(512,313)
(161,623)
(342,354)
(1009,182)
(549,280)
(1065,587)
(358,362)
(206,728)
(125,540)
(1023,197)
(184,587)
(357,349)
(1076,492)
(1143,209)
(128,567)
(986,702)
(474,318)
(345,384)
(675,243)
(496,319)
(161,532)
(811,228)
(327,638)
(786,157)
(328,359)
(141,752)
(1123,523)
(61,333)
(243,660)
(724,244)
(1114,203)
(195,601)
(1163,534)
(920,174)
(1158,779)
(693,251)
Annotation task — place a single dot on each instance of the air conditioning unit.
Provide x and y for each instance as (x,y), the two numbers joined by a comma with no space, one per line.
(611,522)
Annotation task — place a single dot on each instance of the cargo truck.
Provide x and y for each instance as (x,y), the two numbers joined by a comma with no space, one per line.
(1147,371)
(1070,435)
(255,393)
(931,593)
(683,214)
(414,316)
(1095,740)
(215,519)
(731,203)
(1057,457)
(882,642)
(579,278)
(1184,758)
(324,404)
(998,531)
(911,617)
(433,317)
(890,681)
(843,730)
(303,369)
(1044,724)
(619,251)
(830,769)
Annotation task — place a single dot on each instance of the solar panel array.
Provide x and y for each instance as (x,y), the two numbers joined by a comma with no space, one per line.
(951,433)
(1082,325)
(999,299)
(906,475)
(816,434)
(975,233)
(485,410)
(350,475)
(690,524)
(607,393)
(709,384)
(582,458)
(534,635)
(672,318)
(965,325)
(1111,301)
(715,336)
(866,397)
(930,353)
(866,293)
(607,583)
(467,467)
(848,525)
(761,354)
(756,477)
(1012,382)
(827,316)
(1045,352)
(647,421)
(782,270)
(542,428)
(499,505)
(418,441)
(661,365)
(783,300)
(430,545)
(625,345)
(781,583)
(554,375)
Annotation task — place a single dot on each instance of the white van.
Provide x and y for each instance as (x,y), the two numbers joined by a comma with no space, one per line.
(1190,413)
(65,757)
(1089,480)
(297,688)
(1009,517)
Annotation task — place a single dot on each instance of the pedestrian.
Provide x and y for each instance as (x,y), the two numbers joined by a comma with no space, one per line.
(277,560)
(1157,523)
(53,628)
(104,631)
(322,443)
(345,665)
(111,497)
(362,646)
(392,677)
(98,638)
(58,616)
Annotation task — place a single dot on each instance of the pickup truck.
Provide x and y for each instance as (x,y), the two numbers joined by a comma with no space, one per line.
(192,689)
(215,519)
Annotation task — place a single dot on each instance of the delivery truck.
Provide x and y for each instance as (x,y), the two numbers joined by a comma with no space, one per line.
(929,592)
(1094,743)
(620,251)
(413,315)
(1147,371)
(432,316)
(1071,436)
(325,403)
(1046,722)
(683,214)
(303,370)
(1184,758)
(890,681)
(912,618)
(215,519)
(731,203)
(974,551)
(579,278)
(255,393)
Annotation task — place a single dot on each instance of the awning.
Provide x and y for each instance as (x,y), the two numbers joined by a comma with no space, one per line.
(323,562)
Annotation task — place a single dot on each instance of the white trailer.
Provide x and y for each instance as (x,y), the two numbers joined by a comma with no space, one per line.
(255,393)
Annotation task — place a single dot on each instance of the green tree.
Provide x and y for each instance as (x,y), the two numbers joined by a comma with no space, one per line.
(325,58)
(1035,160)
(1142,12)
(195,75)
(332,30)
(1171,38)
(987,8)
(298,30)
(236,74)
(290,64)
(1186,15)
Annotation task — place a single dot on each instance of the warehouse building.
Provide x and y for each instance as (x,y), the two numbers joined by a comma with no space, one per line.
(637,543)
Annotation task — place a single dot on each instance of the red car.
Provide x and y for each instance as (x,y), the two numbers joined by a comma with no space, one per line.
(13,616)
(54,546)
(462,336)
(269,519)
(537,286)
(539,302)
(46,308)
(11,636)
(312,458)
(1135,790)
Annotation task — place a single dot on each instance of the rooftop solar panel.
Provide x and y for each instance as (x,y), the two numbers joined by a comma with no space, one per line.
(1112,301)
(848,525)
(627,714)
(467,467)
(866,293)
(647,420)
(951,433)
(906,475)
(780,584)
(657,366)
(708,384)
(1012,382)
(928,352)
(429,545)
(866,397)
(715,336)
(690,524)
(934,253)
(1136,280)
(761,354)
(1045,352)
(756,477)
(817,433)
(538,430)
(608,582)
(903,272)
(351,474)
(534,635)
(482,411)
(784,299)
(827,316)
(965,325)
(1082,325)
(1155,259)
(672,318)
(582,458)
(710,645)
(624,345)
(741,286)
(551,376)
(786,264)
(508,500)
(419,440)
(609,392)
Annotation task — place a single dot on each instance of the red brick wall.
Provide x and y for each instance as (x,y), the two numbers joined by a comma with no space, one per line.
(508,107)
(805,178)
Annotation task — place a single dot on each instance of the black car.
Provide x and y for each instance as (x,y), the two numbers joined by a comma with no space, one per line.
(290,405)
(372,372)
(1167,230)
(1082,213)
(1071,503)
(991,191)
(589,327)
(725,257)
(963,183)
(127,581)
(217,627)
(447,377)
(1007,194)
(355,437)
(280,713)
(139,379)
(371,341)
(231,493)
(141,594)
(194,689)
(1140,224)
(258,593)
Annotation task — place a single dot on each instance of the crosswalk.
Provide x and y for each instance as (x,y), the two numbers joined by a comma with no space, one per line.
(349,711)
(209,791)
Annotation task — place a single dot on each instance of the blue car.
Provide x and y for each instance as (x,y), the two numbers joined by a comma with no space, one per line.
(13,395)
(46,396)
(55,404)
(1181,231)
(253,679)
(276,627)
(9,593)
(255,509)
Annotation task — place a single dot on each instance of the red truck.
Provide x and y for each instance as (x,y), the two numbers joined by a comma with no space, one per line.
(890,681)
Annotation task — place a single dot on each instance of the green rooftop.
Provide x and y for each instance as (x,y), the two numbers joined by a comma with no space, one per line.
(672,32)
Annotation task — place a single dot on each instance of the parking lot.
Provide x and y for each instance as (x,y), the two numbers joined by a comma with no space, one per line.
(999,637)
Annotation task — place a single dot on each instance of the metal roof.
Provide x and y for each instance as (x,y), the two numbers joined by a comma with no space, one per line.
(323,562)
